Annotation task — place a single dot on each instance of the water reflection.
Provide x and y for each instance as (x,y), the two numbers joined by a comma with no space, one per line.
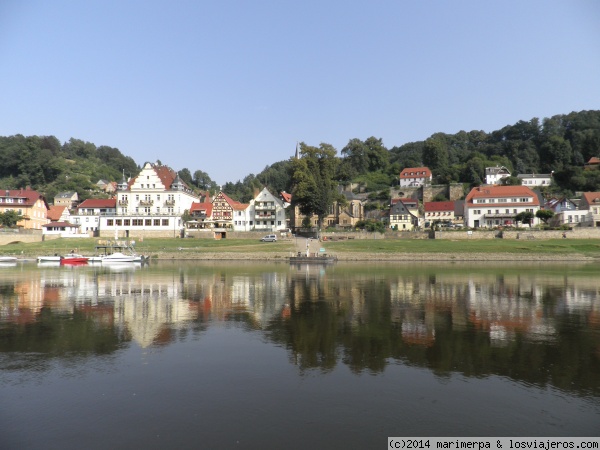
(538,325)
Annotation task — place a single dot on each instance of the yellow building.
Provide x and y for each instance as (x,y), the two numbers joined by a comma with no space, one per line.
(31,205)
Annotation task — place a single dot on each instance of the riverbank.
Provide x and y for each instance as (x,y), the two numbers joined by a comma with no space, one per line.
(581,250)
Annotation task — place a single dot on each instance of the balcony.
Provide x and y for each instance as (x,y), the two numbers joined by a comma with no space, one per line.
(264,217)
(169,203)
(265,207)
(123,202)
(146,202)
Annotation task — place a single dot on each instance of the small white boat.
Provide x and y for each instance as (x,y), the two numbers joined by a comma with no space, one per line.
(119,257)
(49,258)
(8,259)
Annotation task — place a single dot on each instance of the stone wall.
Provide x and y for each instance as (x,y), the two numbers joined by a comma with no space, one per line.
(578,233)
(27,237)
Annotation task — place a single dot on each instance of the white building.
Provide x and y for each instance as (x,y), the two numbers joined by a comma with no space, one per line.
(535,180)
(492,206)
(415,176)
(150,204)
(493,175)
(265,212)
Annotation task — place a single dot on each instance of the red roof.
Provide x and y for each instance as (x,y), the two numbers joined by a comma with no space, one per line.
(98,203)
(55,212)
(60,224)
(499,192)
(29,197)
(205,206)
(439,206)
(286,197)
(234,203)
(415,172)
(592,198)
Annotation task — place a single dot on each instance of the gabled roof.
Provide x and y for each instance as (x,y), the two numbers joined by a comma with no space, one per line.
(439,206)
(29,197)
(286,197)
(591,198)
(98,203)
(199,207)
(60,224)
(415,172)
(68,194)
(534,175)
(233,203)
(594,160)
(502,192)
(55,212)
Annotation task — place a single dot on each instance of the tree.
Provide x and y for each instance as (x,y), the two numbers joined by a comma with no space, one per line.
(185,176)
(544,215)
(314,188)
(10,218)
(525,217)
(435,156)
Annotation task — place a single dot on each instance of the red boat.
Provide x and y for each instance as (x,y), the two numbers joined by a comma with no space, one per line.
(73,259)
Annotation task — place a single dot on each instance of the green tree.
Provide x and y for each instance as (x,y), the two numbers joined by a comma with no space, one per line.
(314,188)
(10,218)
(435,156)
(544,215)
(525,217)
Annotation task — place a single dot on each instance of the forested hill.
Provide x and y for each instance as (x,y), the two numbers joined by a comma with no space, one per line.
(559,144)
(49,167)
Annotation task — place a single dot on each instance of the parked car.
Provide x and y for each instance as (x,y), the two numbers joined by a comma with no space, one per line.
(269,238)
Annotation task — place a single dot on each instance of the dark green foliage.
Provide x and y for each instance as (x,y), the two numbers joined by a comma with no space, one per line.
(9,218)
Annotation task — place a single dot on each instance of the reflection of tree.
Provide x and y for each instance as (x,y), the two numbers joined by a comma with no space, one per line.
(366,329)
(61,334)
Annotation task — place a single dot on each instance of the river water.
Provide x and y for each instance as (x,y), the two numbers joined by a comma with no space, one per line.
(272,355)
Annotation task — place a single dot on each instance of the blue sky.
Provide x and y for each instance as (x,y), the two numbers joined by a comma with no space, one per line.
(229,86)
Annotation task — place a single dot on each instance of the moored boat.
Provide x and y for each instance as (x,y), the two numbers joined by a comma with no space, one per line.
(301,258)
(73,259)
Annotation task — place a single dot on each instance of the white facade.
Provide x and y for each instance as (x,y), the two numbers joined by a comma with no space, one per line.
(265,212)
(493,206)
(152,202)
(533,180)
(493,175)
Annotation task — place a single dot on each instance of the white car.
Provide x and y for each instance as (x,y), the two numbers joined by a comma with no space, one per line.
(269,238)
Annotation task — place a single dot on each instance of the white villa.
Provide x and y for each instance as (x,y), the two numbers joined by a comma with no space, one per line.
(492,206)
(150,204)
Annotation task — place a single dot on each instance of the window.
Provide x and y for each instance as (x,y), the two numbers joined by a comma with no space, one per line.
(165,222)
(157,222)
(148,222)
(127,222)
(109,222)
(118,222)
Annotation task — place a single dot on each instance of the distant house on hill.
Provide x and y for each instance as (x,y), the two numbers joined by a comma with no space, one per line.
(593,163)
(535,179)
(415,177)
(493,175)
(68,199)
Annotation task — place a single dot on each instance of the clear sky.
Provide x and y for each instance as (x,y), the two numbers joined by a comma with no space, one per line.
(230,86)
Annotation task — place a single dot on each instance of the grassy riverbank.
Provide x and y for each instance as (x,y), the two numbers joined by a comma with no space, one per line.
(376,249)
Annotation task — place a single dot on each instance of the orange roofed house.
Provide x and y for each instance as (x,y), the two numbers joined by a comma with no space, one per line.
(415,176)
(492,206)
(31,205)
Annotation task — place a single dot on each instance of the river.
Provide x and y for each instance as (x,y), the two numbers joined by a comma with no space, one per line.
(271,355)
